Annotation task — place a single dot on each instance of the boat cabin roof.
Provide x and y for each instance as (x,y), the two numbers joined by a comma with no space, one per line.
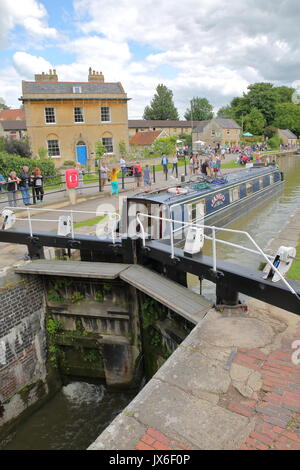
(162,196)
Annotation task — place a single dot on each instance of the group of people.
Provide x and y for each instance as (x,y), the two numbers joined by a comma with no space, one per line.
(22,182)
(112,175)
(209,167)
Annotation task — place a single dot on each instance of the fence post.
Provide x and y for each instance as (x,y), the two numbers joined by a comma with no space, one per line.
(153,169)
(33,195)
(185,173)
(123,185)
(100,186)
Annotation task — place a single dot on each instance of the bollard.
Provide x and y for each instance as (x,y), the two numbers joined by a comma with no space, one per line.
(153,169)
(185,173)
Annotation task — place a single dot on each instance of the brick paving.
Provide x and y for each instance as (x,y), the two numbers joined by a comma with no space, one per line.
(155,440)
(276,406)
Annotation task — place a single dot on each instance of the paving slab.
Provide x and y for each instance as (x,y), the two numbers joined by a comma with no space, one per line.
(203,425)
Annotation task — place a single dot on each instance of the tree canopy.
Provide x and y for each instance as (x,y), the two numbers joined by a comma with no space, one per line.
(200,110)
(162,106)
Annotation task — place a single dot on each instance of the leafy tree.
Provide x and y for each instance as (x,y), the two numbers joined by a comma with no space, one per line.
(18,147)
(122,148)
(255,122)
(283,94)
(3,105)
(161,106)
(287,116)
(200,110)
(226,112)
(262,97)
(42,152)
(270,131)
(9,162)
(165,145)
(100,150)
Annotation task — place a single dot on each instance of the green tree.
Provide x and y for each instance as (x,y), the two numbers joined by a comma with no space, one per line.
(283,94)
(3,105)
(255,122)
(226,112)
(200,110)
(161,106)
(270,131)
(165,145)
(287,116)
(262,97)
(100,150)
(42,152)
(122,148)
(18,147)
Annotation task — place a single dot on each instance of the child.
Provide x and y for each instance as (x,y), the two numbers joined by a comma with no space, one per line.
(114,181)
(147,177)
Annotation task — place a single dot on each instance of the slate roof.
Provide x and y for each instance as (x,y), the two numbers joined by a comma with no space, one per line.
(224,123)
(144,138)
(289,134)
(142,123)
(64,88)
(16,125)
(12,115)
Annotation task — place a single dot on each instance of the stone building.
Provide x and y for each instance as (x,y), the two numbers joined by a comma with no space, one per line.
(13,130)
(171,127)
(68,118)
(287,137)
(217,132)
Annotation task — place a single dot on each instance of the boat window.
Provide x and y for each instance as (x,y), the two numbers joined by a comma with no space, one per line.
(200,211)
(261,183)
(249,188)
(272,178)
(234,194)
(191,212)
(266,180)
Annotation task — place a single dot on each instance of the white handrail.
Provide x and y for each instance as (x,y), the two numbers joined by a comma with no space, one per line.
(214,240)
(70,211)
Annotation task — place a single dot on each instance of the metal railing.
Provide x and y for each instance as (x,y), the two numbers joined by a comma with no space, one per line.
(214,240)
(113,216)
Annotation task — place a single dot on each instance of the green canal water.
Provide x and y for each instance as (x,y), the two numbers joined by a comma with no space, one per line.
(79,412)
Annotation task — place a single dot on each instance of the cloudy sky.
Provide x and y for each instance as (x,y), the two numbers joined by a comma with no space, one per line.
(206,48)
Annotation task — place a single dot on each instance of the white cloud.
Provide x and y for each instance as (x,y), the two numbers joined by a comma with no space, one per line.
(211,48)
(27,13)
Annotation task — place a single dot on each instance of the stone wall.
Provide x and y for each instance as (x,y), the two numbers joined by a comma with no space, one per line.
(22,344)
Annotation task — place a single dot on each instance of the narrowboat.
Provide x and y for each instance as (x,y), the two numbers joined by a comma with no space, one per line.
(210,201)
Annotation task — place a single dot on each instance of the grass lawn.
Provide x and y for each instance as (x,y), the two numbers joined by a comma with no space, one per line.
(294,272)
(89,222)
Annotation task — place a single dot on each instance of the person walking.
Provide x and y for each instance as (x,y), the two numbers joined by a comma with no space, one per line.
(38,183)
(114,180)
(164,162)
(175,165)
(138,174)
(223,152)
(147,177)
(24,178)
(205,168)
(12,188)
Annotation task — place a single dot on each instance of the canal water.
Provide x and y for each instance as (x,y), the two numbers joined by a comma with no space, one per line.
(77,414)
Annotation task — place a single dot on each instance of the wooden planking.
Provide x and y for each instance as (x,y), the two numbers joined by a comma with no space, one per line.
(84,269)
(191,306)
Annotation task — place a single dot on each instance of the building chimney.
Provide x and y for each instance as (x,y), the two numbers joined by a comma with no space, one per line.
(47,77)
(95,76)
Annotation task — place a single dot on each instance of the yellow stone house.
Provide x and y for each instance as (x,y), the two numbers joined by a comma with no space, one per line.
(69,118)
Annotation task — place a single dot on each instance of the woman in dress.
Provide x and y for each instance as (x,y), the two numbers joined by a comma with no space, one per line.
(147,177)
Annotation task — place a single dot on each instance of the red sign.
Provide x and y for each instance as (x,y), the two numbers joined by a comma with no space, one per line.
(72,179)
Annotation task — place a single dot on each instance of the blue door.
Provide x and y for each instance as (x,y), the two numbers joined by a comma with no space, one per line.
(81,154)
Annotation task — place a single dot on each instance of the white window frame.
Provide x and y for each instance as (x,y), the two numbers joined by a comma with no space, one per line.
(213,133)
(77,89)
(53,156)
(228,131)
(82,112)
(109,110)
(112,144)
(54,111)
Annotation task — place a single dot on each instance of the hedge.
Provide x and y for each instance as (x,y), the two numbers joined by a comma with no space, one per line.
(15,163)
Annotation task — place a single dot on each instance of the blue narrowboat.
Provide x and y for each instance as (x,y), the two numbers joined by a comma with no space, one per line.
(207,201)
